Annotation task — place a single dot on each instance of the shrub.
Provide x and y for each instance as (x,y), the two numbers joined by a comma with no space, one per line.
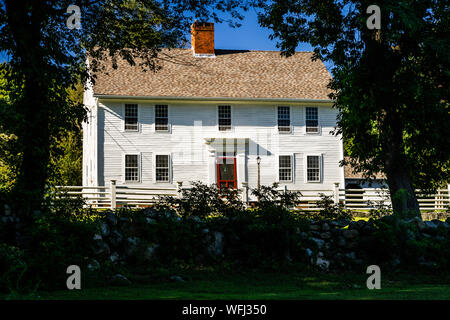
(202,201)
(329,210)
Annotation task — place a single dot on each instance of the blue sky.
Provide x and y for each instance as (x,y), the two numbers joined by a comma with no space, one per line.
(249,36)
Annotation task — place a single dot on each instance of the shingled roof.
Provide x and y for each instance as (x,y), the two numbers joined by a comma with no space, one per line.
(230,74)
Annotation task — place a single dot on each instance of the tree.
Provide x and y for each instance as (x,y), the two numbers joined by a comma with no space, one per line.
(47,57)
(391,86)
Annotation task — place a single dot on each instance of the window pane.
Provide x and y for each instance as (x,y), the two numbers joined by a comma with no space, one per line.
(312,119)
(224,118)
(313,168)
(284,119)
(285,168)
(161,118)
(162,168)
(131,114)
(131,168)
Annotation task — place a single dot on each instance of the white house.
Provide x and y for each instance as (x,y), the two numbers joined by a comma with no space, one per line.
(207,116)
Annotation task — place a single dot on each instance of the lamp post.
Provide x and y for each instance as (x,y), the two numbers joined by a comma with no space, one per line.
(258,161)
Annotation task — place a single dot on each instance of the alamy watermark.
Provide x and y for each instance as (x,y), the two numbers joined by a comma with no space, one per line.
(374,281)
(74,20)
(374,20)
(74,280)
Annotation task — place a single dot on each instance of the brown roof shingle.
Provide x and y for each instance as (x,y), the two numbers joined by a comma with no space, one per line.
(230,74)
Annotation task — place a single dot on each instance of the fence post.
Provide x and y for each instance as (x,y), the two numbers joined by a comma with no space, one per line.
(245,192)
(113,194)
(179,190)
(336,192)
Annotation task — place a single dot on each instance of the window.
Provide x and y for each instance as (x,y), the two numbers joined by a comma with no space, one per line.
(224,118)
(161,118)
(131,117)
(312,120)
(162,168)
(284,119)
(131,167)
(285,168)
(313,168)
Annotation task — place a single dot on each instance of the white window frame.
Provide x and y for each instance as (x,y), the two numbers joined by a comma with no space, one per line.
(169,125)
(292,168)
(138,118)
(139,161)
(305,161)
(231,118)
(319,129)
(291,128)
(170,167)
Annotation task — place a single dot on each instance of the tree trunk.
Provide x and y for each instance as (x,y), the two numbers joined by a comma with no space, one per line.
(33,108)
(401,189)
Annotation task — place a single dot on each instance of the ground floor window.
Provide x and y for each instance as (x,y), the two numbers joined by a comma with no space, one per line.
(313,168)
(285,168)
(162,168)
(131,167)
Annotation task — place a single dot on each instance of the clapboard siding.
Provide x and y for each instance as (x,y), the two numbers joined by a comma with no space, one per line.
(191,155)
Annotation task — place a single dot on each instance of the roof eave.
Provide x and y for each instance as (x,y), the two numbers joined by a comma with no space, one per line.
(208,99)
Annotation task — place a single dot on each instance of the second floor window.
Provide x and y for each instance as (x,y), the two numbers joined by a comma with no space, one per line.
(284,119)
(224,118)
(312,120)
(161,118)
(131,117)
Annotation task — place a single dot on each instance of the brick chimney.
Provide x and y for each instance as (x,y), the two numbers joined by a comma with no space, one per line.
(202,38)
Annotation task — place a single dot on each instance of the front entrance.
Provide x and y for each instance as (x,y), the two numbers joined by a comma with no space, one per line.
(226,172)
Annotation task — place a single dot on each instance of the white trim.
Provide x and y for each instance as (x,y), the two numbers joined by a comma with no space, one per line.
(139,161)
(154,154)
(319,127)
(291,131)
(138,118)
(291,155)
(305,167)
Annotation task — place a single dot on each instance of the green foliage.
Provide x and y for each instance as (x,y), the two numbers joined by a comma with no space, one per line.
(201,200)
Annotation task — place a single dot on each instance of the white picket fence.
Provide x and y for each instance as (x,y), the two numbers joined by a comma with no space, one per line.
(114,196)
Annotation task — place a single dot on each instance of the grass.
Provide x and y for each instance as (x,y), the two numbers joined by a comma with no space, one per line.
(262,285)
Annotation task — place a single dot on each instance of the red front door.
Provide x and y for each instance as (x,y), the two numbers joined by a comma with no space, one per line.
(226,172)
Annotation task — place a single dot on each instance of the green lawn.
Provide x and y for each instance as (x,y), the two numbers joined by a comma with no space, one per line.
(264,285)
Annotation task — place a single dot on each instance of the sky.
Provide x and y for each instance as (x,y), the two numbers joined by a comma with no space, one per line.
(249,36)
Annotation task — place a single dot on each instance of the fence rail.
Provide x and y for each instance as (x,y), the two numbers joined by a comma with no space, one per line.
(114,196)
